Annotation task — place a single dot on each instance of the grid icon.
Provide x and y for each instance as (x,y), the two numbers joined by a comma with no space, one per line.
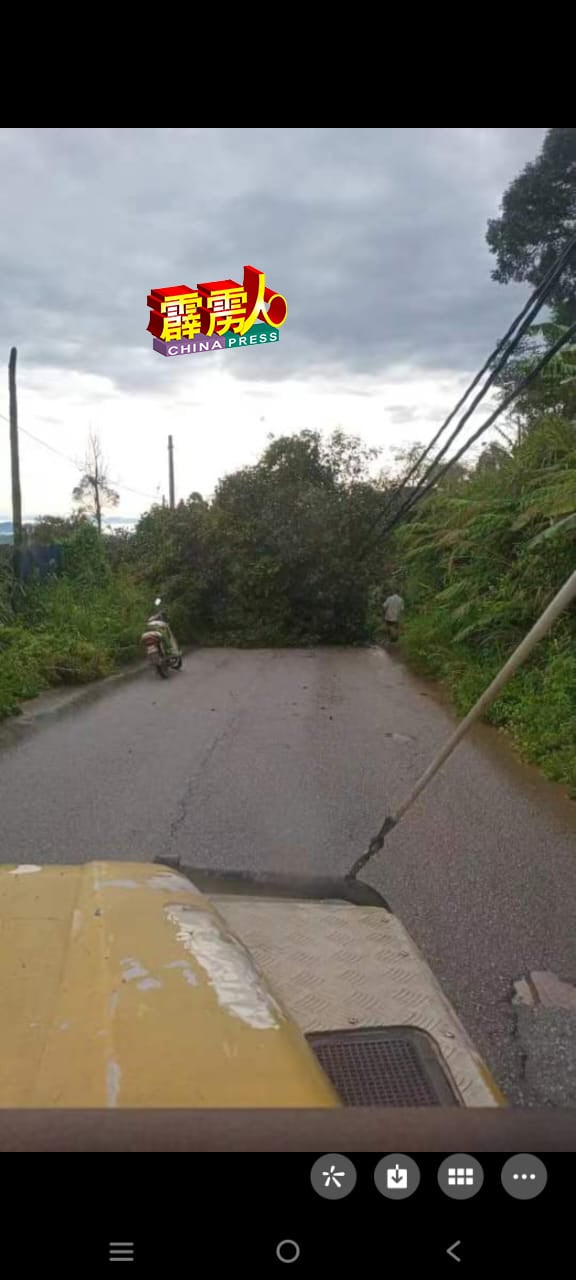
(460,1177)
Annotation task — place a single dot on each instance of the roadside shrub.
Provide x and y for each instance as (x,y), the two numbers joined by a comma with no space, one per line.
(480,560)
(20,672)
(69,632)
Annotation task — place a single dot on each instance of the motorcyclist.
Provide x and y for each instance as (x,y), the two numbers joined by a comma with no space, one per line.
(159,622)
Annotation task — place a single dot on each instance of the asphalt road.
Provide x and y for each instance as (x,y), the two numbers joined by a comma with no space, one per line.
(288,760)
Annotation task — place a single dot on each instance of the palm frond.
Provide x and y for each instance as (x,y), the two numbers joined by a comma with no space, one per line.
(562,526)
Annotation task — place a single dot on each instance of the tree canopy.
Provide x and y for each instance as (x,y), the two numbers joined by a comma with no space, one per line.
(537,220)
(272,559)
(94,491)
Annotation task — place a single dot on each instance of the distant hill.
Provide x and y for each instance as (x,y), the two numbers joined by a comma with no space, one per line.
(110,522)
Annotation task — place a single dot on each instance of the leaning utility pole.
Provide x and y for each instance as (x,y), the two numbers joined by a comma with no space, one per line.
(171,471)
(15,462)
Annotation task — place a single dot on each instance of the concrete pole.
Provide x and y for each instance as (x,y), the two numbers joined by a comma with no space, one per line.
(15,464)
(171,472)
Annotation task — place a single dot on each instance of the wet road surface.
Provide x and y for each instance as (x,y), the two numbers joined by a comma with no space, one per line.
(288,760)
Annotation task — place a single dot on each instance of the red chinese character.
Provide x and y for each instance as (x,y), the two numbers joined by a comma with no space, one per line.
(227,305)
(175,313)
(259,294)
(222,306)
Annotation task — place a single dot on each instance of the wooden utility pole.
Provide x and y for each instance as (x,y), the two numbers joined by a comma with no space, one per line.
(15,463)
(171,472)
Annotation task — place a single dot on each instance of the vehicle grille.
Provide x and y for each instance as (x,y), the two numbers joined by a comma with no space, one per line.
(384,1067)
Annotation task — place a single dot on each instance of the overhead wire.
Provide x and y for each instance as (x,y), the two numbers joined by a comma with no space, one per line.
(507,345)
(74,463)
(487,363)
(529,377)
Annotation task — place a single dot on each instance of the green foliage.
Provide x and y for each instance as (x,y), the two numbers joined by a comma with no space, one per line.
(567,525)
(272,559)
(71,630)
(54,529)
(541,716)
(85,558)
(480,562)
(170,555)
(553,393)
(482,558)
(20,673)
(538,219)
(31,661)
(6,607)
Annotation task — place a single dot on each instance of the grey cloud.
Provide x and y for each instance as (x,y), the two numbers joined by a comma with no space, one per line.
(376,236)
(401,414)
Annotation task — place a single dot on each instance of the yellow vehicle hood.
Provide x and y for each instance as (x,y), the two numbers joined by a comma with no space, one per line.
(121,986)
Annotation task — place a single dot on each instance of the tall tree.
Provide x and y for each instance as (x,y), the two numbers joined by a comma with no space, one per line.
(272,558)
(94,491)
(537,220)
(554,391)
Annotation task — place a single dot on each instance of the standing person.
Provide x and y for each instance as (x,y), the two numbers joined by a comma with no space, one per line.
(393,610)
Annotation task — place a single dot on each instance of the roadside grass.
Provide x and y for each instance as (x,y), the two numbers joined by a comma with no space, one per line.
(68,633)
(537,709)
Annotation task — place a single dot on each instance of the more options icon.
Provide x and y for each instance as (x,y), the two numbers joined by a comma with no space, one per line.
(524,1177)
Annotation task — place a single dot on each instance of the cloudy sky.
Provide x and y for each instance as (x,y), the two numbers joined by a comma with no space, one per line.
(375,237)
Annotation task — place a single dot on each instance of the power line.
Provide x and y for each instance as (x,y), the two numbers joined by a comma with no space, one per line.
(520,325)
(58,452)
(126,487)
(420,491)
(533,373)
(543,287)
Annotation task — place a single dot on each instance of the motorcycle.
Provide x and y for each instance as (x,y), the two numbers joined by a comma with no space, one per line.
(160,645)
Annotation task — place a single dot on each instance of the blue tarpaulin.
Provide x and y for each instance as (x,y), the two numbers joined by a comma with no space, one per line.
(41,560)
